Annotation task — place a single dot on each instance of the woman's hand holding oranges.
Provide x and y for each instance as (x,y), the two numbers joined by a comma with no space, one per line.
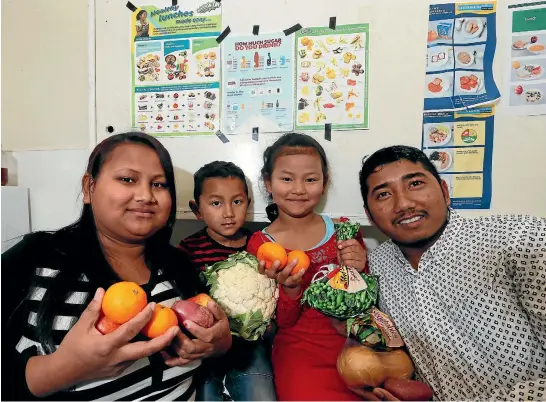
(85,354)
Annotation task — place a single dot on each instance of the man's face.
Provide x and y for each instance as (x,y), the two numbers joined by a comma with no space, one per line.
(406,202)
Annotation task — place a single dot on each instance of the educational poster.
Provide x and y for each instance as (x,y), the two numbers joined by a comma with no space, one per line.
(525,80)
(257,83)
(175,68)
(460,50)
(332,77)
(460,145)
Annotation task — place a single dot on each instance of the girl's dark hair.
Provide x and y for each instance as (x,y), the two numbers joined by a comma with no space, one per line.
(139,14)
(82,248)
(291,144)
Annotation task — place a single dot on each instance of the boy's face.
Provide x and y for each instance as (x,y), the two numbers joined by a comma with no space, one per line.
(223,205)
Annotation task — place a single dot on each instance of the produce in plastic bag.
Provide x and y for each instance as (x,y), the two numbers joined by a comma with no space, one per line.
(374,329)
(341,292)
(248,298)
(338,291)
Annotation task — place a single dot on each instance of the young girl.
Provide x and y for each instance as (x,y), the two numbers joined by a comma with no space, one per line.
(307,345)
(49,340)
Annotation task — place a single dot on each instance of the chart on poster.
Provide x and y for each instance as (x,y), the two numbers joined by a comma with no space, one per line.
(461,45)
(332,77)
(257,83)
(175,69)
(525,82)
(460,145)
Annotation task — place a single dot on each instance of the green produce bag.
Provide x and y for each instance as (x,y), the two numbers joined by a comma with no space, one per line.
(338,291)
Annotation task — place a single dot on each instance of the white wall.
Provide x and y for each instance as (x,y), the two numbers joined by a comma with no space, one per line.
(53,177)
(45,74)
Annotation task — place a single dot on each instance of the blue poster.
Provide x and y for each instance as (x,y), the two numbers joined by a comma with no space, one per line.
(460,49)
(257,90)
(460,145)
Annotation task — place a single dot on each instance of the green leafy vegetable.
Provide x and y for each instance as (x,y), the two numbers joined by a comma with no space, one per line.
(346,230)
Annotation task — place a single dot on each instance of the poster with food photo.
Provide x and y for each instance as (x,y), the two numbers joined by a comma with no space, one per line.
(175,68)
(525,80)
(460,145)
(258,83)
(332,77)
(461,45)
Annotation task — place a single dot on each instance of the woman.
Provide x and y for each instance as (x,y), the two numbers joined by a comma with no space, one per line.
(49,340)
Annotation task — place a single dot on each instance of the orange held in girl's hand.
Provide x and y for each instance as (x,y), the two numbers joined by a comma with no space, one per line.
(271,252)
(105,326)
(303,261)
(162,319)
(123,301)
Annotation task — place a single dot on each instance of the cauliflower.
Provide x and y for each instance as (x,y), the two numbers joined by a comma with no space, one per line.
(248,298)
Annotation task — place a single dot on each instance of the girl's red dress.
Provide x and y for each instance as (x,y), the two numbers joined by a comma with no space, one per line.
(307,346)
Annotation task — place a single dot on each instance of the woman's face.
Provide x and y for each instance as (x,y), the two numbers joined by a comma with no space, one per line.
(143,16)
(129,197)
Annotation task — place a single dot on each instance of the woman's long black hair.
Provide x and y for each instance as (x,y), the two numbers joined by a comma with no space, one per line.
(80,245)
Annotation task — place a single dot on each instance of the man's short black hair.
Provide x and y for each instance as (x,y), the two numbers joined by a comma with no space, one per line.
(216,169)
(389,155)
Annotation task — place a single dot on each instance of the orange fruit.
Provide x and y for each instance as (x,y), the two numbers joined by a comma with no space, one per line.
(162,319)
(123,301)
(516,65)
(271,252)
(303,261)
(105,326)
(202,299)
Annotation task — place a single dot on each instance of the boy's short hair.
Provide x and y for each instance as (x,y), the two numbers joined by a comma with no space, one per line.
(216,169)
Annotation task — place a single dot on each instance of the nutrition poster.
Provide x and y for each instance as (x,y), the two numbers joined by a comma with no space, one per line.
(175,68)
(460,145)
(525,81)
(258,83)
(460,50)
(332,77)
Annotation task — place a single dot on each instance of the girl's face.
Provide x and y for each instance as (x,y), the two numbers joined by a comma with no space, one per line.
(129,197)
(143,16)
(297,183)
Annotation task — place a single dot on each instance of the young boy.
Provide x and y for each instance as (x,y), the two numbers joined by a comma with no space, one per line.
(221,201)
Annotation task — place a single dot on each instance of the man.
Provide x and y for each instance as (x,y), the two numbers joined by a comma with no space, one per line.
(468,295)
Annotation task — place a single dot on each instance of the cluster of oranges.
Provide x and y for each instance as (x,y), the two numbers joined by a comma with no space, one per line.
(123,301)
(271,252)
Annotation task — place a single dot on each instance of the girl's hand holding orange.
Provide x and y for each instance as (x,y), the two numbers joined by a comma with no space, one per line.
(270,252)
(291,283)
(85,354)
